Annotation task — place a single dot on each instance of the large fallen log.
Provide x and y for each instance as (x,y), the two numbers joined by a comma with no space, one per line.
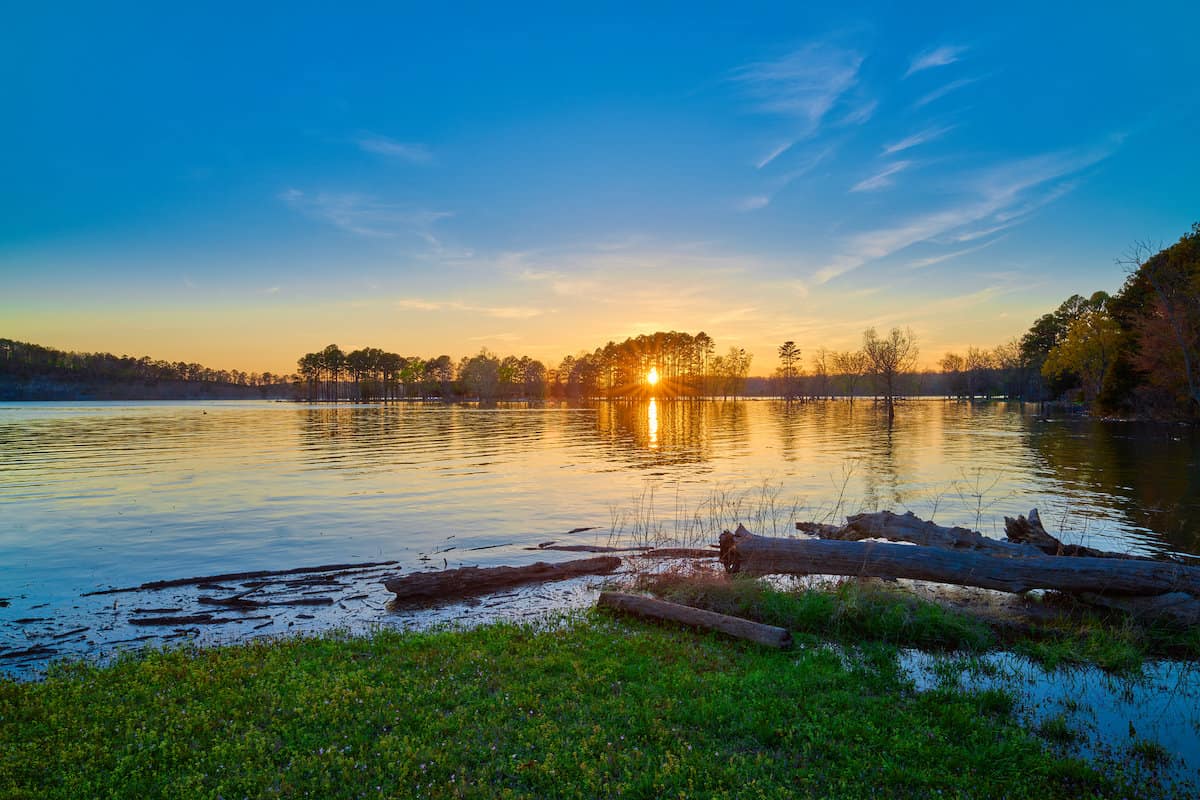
(450,584)
(649,608)
(762,555)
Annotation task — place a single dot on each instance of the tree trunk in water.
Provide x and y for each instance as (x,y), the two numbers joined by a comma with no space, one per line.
(761,555)
(737,627)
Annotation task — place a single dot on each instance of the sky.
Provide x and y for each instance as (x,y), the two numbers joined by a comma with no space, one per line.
(239,184)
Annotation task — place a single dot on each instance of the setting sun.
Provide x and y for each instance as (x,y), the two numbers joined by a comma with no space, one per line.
(652,376)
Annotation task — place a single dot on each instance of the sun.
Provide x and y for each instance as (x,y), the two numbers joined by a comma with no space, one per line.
(652,376)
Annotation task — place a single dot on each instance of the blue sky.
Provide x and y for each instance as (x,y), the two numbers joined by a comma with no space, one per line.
(238,186)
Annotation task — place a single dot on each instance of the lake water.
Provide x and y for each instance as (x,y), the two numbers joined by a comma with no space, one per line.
(97,495)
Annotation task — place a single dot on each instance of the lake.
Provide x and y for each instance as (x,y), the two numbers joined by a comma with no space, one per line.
(98,495)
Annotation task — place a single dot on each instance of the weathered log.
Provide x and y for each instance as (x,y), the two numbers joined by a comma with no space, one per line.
(649,608)
(467,581)
(910,528)
(762,555)
(1029,530)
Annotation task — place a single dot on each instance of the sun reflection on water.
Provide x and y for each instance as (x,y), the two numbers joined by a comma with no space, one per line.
(652,423)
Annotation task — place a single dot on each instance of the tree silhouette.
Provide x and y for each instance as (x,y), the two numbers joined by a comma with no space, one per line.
(887,358)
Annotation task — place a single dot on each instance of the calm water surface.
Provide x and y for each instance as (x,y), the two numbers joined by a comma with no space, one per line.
(103,494)
(96,495)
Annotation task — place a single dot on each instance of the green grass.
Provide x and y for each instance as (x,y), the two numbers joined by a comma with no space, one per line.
(595,706)
(1114,642)
(847,612)
(850,611)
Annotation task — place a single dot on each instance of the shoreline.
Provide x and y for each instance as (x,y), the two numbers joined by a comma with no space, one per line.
(858,633)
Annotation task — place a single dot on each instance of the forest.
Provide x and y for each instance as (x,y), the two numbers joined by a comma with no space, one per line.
(33,372)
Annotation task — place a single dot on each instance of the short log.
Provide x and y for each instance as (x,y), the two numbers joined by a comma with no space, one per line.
(649,608)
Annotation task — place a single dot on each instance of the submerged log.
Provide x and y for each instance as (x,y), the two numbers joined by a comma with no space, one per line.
(586,548)
(238,576)
(762,555)
(467,581)
(677,552)
(649,608)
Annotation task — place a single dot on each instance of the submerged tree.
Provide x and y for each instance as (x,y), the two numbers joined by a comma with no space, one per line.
(887,358)
(789,356)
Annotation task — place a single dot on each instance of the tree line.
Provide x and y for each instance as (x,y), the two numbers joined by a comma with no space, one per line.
(1137,351)
(1134,352)
(23,361)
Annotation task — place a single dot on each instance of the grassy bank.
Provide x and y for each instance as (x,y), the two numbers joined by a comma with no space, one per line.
(851,611)
(588,707)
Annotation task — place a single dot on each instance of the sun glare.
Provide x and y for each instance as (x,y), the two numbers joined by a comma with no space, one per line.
(652,376)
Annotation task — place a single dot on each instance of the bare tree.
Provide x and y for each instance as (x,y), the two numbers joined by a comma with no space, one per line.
(820,364)
(850,365)
(887,358)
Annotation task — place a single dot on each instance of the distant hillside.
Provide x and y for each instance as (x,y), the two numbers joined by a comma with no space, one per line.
(32,372)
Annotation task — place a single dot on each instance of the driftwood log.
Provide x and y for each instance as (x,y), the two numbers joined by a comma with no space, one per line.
(1029,530)
(649,608)
(421,587)
(910,528)
(1026,537)
(762,555)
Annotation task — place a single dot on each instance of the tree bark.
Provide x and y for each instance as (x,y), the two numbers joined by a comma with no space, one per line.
(761,555)
(649,608)
(467,581)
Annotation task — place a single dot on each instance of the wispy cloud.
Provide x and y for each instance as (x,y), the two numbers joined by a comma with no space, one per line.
(882,179)
(805,84)
(754,202)
(937,57)
(921,263)
(362,215)
(496,337)
(383,146)
(775,153)
(939,93)
(919,138)
(993,193)
(862,114)
(498,312)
